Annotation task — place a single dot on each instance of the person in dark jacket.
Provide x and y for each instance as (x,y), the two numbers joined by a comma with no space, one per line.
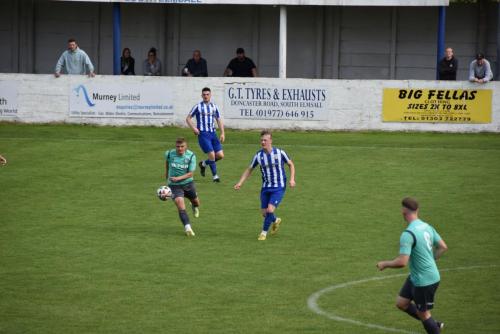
(448,66)
(127,62)
(241,66)
(196,66)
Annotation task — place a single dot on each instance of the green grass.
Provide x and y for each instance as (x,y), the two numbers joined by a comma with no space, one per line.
(86,247)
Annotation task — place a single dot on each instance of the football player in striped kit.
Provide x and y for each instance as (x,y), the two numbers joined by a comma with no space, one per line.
(207,114)
(272,166)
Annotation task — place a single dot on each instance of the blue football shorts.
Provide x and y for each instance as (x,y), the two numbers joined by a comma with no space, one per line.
(209,142)
(272,196)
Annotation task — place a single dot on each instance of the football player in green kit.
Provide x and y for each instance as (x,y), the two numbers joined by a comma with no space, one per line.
(180,165)
(421,246)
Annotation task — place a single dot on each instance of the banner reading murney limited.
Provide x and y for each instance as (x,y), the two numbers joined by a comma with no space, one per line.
(262,101)
(8,98)
(437,105)
(119,100)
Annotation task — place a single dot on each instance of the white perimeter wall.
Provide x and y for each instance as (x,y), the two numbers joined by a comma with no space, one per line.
(352,105)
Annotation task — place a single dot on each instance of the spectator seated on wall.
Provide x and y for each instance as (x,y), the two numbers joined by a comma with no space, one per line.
(196,66)
(127,63)
(241,66)
(152,65)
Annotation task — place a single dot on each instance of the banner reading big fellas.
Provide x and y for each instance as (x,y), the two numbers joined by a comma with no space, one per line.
(437,105)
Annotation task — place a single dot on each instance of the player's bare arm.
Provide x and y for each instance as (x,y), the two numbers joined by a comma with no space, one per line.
(292,173)
(440,249)
(399,262)
(189,121)
(221,128)
(243,178)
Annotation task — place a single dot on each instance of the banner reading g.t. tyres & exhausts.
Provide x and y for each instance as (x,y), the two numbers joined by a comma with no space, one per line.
(437,105)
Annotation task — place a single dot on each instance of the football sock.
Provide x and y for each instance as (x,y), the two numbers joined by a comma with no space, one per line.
(213,166)
(431,326)
(412,311)
(187,227)
(203,163)
(270,218)
(184,217)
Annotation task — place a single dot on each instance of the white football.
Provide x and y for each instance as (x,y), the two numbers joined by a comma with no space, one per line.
(164,193)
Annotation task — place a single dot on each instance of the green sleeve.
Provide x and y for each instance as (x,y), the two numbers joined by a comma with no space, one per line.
(405,243)
(192,164)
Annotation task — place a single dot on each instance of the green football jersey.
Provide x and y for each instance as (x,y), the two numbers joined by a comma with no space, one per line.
(418,241)
(179,165)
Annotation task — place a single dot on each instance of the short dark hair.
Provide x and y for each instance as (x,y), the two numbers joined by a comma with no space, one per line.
(240,51)
(479,56)
(266,132)
(180,140)
(206,89)
(152,50)
(71,40)
(410,203)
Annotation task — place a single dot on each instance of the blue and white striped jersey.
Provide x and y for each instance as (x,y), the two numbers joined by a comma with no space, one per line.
(206,115)
(272,167)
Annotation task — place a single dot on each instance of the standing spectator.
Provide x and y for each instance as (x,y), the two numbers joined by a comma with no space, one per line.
(241,66)
(127,63)
(480,70)
(448,66)
(152,65)
(196,66)
(74,61)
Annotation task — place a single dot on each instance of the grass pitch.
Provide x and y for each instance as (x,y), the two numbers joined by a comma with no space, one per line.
(86,247)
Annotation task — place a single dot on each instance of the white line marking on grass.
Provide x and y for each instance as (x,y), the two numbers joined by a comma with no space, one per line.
(312,301)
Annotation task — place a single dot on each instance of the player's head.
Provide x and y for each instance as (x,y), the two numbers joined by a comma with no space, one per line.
(206,94)
(266,139)
(240,53)
(409,209)
(72,45)
(196,55)
(448,53)
(180,145)
(480,58)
